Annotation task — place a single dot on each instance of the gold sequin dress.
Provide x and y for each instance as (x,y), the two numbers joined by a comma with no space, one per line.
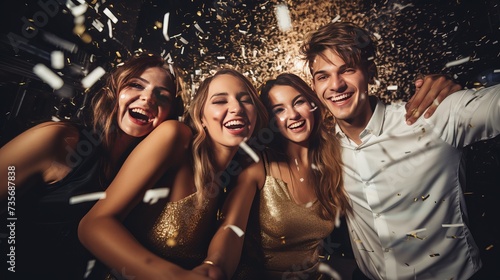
(285,236)
(180,233)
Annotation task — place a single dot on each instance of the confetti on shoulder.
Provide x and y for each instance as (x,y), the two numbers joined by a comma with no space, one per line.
(236,230)
(87,197)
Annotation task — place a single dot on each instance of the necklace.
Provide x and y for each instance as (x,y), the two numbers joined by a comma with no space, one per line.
(301,179)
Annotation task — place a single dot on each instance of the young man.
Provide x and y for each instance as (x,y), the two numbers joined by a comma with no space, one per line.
(409,219)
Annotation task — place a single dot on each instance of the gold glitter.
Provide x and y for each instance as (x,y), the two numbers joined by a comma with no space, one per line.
(489,247)
(425,197)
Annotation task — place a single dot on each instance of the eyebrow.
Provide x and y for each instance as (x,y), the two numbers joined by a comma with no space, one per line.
(293,101)
(340,68)
(146,81)
(239,94)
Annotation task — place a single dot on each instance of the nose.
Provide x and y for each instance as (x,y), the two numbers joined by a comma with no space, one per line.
(235,107)
(148,95)
(337,83)
(293,114)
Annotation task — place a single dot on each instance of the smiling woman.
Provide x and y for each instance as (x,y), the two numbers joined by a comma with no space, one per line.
(59,163)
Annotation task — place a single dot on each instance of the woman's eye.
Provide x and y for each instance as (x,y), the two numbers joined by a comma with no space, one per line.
(247,100)
(219,101)
(300,102)
(136,85)
(278,111)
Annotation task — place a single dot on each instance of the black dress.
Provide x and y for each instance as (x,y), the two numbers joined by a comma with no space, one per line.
(46,240)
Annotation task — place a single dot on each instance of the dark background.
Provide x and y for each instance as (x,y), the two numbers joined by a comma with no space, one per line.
(412,37)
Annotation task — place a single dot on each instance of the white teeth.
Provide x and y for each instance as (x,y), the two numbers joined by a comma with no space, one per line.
(297,124)
(234,122)
(140,111)
(340,97)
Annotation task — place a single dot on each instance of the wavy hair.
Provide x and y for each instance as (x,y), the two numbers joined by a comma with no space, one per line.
(204,174)
(352,43)
(324,149)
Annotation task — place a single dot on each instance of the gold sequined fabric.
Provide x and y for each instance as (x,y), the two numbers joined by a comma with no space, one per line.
(290,235)
(183,231)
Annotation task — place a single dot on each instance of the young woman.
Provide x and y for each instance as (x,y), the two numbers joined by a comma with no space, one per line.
(298,189)
(55,162)
(165,239)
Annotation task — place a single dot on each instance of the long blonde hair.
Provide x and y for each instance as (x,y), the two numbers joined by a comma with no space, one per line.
(204,171)
(324,149)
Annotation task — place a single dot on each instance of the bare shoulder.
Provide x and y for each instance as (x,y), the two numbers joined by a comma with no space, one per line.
(253,173)
(49,135)
(171,130)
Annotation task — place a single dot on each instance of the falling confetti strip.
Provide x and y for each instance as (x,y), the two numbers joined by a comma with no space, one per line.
(87,197)
(236,230)
(152,196)
(249,150)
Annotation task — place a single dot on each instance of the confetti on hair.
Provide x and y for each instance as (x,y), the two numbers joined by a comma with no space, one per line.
(392,87)
(55,119)
(49,77)
(236,230)
(110,15)
(309,204)
(249,150)
(93,77)
(57,59)
(153,195)
(87,197)
(326,269)
(98,25)
(337,18)
(90,266)
(457,62)
(165,26)
(283,17)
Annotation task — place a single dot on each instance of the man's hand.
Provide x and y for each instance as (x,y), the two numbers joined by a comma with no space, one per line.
(430,91)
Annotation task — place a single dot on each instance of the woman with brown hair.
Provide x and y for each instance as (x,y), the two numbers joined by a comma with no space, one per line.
(165,239)
(56,162)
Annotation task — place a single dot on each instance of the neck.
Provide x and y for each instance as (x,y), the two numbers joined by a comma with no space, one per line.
(223,155)
(299,152)
(352,128)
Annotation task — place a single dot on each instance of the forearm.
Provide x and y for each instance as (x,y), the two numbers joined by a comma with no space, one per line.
(115,246)
(225,250)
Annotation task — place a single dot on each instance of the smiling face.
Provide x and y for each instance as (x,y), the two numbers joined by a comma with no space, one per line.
(343,89)
(229,114)
(144,102)
(294,114)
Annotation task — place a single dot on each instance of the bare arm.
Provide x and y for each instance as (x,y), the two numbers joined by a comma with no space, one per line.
(430,92)
(102,231)
(226,246)
(32,153)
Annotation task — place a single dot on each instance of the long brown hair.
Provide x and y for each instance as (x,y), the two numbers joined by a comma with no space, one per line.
(204,171)
(324,149)
(105,102)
